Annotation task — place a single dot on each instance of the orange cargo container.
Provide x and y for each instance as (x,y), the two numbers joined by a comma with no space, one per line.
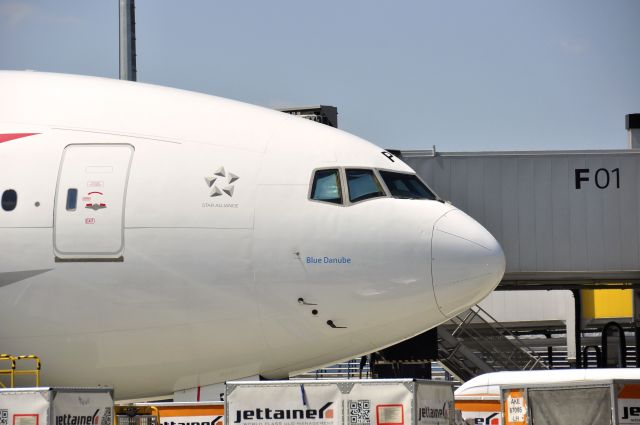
(201,413)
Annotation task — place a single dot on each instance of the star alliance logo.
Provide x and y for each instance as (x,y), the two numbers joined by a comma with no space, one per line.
(221,182)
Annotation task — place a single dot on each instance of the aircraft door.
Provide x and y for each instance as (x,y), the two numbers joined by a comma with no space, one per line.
(89,206)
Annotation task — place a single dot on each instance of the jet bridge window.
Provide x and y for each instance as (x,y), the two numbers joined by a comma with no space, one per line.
(9,200)
(406,186)
(326,186)
(363,184)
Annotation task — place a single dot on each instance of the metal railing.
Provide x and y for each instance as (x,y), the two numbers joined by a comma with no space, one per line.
(12,369)
(474,342)
(345,370)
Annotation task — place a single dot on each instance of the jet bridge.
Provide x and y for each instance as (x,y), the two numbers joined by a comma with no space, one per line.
(565,219)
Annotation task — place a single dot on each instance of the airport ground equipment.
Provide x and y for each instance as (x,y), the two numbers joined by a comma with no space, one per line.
(56,406)
(339,402)
(479,398)
(200,413)
(611,401)
(10,369)
(132,414)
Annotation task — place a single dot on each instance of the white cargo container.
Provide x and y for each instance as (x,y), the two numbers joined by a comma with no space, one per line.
(612,401)
(479,398)
(56,406)
(340,402)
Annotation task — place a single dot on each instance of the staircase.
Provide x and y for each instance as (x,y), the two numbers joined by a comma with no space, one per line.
(474,343)
(469,345)
(345,370)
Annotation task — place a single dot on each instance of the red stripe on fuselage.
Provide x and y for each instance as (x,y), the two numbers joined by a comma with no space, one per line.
(12,136)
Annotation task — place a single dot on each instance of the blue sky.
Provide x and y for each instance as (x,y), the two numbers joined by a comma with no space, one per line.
(463,75)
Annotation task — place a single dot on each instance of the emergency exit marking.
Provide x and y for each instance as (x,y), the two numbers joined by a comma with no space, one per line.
(89,220)
(602,177)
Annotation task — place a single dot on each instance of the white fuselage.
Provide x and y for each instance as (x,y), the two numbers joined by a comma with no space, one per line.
(151,284)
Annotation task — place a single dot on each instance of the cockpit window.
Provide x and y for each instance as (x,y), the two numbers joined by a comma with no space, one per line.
(363,184)
(326,186)
(406,186)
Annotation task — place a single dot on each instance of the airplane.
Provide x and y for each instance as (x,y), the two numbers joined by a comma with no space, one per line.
(156,240)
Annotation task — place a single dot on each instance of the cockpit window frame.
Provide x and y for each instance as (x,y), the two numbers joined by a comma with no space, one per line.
(377,176)
(341,180)
(390,170)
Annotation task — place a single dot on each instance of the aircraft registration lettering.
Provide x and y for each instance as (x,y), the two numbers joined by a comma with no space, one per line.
(328,260)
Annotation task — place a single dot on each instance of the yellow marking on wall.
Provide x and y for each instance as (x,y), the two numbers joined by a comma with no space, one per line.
(607,303)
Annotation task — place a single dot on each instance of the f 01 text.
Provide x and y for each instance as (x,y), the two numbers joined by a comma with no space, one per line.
(602,178)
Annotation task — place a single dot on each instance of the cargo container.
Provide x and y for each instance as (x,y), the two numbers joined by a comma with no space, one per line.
(479,398)
(480,409)
(339,402)
(613,401)
(198,413)
(56,406)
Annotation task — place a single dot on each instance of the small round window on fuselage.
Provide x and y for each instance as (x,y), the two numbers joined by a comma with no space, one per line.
(9,200)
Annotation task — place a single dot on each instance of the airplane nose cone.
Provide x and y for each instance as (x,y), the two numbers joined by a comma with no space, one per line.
(467,262)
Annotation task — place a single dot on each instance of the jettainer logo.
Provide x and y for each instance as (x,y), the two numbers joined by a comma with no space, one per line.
(285,416)
(492,419)
(435,414)
(429,412)
(78,419)
(95,419)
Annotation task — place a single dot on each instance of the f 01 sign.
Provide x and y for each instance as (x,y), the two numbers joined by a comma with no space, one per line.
(602,178)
